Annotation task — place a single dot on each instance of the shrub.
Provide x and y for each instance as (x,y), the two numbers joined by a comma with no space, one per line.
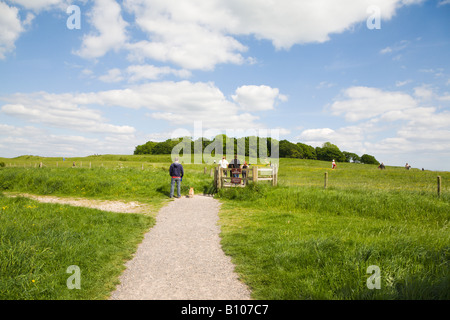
(368,159)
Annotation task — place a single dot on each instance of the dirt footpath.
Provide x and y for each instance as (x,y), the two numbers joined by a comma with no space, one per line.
(181,258)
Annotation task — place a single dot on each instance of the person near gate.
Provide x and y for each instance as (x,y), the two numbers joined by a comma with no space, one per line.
(176,173)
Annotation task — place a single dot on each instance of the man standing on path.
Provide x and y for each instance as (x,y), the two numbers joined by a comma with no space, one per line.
(176,172)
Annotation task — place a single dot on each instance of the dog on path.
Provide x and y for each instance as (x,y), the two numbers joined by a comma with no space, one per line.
(191,192)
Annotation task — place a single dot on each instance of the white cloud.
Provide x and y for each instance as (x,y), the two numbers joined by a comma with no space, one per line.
(347,139)
(179,103)
(445,97)
(59,111)
(113,75)
(443,2)
(401,128)
(257,98)
(364,103)
(402,83)
(38,5)
(424,92)
(395,48)
(111,33)
(10,28)
(197,34)
(191,47)
(31,140)
(325,84)
(386,50)
(149,72)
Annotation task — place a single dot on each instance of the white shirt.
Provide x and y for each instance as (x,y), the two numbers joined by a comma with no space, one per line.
(223,163)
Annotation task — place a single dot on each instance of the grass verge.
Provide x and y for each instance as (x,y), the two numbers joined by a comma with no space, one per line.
(295,243)
(39,242)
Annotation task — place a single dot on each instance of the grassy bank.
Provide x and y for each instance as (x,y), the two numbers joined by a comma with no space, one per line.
(39,242)
(150,185)
(301,241)
(294,241)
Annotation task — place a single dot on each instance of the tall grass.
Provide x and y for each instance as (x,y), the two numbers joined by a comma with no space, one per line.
(150,185)
(301,241)
(294,241)
(38,242)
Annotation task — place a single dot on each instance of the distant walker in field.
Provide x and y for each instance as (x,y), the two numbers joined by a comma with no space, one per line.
(407,166)
(381,166)
(176,173)
(333,165)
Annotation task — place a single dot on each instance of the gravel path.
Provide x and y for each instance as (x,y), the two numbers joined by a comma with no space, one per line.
(181,258)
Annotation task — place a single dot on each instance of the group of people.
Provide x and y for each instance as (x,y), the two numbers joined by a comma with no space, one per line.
(176,172)
(235,164)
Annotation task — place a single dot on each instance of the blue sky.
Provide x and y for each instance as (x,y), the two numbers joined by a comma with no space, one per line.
(140,70)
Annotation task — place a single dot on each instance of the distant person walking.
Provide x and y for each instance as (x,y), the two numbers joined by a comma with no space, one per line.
(407,166)
(381,166)
(176,172)
(333,165)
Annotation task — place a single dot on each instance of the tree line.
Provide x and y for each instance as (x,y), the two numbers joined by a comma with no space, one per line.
(286,149)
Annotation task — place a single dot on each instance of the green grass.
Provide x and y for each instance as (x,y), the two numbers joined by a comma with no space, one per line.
(294,241)
(300,241)
(38,242)
(150,185)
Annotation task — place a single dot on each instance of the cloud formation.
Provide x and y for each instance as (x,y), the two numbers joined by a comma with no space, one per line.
(178,103)
(418,128)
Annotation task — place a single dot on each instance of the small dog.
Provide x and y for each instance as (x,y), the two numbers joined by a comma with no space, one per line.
(191,192)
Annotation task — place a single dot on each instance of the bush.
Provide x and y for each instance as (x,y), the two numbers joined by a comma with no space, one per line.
(2,165)
(368,159)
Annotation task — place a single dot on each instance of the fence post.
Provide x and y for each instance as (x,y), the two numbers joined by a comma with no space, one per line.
(219,180)
(326,180)
(274,176)
(439,184)
(204,171)
(212,172)
(255,174)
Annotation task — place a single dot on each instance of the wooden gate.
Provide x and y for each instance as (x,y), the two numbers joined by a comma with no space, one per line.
(231,177)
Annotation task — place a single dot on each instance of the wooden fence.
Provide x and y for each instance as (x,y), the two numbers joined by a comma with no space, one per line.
(230,177)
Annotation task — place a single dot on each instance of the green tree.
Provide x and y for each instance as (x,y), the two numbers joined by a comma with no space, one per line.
(146,148)
(308,151)
(368,159)
(329,152)
(290,150)
(351,157)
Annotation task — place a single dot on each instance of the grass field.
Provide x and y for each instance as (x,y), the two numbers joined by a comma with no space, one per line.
(294,241)
(39,242)
(301,241)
